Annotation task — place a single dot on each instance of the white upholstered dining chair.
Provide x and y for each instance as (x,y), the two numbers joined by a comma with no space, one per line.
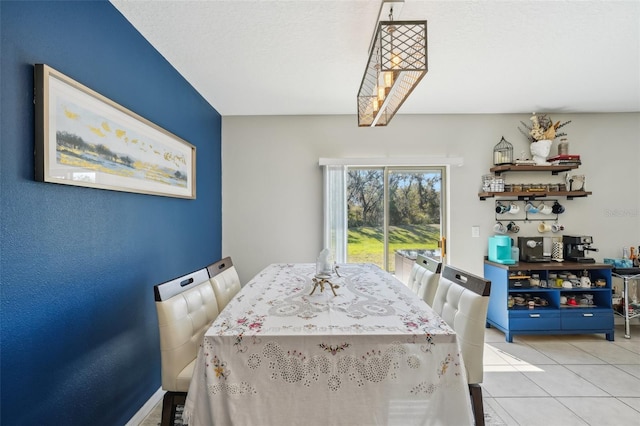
(186,307)
(225,281)
(462,300)
(424,278)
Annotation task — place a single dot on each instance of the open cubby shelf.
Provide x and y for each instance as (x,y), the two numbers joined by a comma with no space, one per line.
(557,317)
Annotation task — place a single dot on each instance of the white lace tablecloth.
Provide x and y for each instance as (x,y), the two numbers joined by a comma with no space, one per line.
(375,354)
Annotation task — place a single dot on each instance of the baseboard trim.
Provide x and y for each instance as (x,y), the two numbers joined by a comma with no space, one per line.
(148,406)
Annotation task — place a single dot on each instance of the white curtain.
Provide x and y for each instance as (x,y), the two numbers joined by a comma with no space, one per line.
(335,211)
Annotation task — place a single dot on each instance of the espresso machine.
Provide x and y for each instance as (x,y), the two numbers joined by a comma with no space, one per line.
(575,248)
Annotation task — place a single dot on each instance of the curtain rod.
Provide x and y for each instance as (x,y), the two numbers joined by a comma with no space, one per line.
(390,161)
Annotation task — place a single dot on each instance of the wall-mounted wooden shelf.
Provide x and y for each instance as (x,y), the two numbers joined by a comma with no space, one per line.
(534,195)
(526,168)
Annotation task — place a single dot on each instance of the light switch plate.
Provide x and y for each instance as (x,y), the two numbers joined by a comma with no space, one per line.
(475,232)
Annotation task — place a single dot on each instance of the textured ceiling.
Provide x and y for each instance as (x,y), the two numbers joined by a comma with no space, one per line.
(485,56)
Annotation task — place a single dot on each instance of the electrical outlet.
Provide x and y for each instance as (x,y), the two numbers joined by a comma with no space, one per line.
(475,232)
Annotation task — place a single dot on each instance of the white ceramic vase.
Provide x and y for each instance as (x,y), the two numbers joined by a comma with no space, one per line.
(540,151)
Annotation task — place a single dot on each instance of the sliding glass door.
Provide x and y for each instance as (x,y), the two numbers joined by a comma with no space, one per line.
(393,209)
(365,216)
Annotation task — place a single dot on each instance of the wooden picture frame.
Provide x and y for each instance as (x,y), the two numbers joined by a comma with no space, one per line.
(86,139)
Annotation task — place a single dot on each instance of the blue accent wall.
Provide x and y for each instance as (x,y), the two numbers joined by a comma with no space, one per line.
(79,328)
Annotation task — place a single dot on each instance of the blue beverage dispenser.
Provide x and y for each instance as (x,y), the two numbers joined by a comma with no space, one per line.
(500,250)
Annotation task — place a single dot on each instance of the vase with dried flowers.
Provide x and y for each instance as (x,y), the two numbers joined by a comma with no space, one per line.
(541,134)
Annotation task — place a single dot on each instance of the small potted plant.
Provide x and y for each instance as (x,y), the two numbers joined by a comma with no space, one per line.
(541,134)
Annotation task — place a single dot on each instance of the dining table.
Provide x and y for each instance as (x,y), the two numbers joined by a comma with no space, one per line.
(354,347)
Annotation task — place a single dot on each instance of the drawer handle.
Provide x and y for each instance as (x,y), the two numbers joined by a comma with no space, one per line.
(587,315)
(534,315)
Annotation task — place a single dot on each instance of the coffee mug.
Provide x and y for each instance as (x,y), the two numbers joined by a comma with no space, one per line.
(557,208)
(544,227)
(514,208)
(557,227)
(501,208)
(499,228)
(512,227)
(530,208)
(544,209)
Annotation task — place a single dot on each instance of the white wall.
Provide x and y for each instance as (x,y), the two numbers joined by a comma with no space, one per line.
(272,184)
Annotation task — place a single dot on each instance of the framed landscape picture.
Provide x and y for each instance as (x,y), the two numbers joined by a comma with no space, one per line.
(85,139)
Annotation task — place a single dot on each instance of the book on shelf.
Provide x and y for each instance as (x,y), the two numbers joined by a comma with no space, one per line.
(565,162)
(565,157)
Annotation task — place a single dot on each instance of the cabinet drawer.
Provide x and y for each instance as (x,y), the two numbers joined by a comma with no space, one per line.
(584,320)
(534,321)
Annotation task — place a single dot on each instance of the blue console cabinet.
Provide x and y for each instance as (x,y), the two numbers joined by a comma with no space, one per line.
(552,310)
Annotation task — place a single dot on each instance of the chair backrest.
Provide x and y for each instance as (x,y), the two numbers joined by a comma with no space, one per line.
(462,300)
(417,271)
(424,278)
(225,281)
(186,308)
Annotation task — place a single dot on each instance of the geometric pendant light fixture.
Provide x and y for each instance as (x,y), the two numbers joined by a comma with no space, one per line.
(397,63)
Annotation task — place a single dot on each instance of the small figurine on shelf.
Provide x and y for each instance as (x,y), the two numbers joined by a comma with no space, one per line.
(585,281)
(633,256)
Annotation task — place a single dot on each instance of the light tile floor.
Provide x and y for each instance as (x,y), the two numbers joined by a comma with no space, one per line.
(563,380)
(555,380)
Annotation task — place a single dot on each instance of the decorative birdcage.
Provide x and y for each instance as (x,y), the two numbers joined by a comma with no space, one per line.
(503,153)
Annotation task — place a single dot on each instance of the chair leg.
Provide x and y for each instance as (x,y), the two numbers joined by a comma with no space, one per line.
(169,403)
(476,402)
